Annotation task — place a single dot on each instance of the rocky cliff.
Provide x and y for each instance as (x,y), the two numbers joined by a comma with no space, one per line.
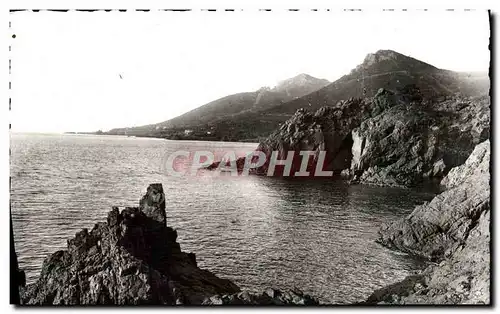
(414,141)
(395,138)
(453,231)
(134,258)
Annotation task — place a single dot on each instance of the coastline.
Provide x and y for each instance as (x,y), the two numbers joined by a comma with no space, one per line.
(415,289)
(452,231)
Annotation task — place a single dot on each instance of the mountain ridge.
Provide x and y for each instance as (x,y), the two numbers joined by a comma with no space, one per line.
(285,90)
(251,116)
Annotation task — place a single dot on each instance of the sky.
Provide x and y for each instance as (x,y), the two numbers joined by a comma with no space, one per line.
(80,71)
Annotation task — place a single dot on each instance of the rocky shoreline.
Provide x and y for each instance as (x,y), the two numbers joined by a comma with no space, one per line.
(134,259)
(396,138)
(392,139)
(453,231)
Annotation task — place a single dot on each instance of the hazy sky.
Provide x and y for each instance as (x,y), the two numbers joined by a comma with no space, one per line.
(66,67)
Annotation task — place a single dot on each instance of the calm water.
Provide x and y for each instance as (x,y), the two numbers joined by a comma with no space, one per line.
(259,232)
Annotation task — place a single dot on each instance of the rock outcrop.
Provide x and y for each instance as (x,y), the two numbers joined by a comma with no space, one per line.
(268,297)
(413,142)
(153,204)
(134,259)
(17,276)
(328,129)
(398,139)
(453,230)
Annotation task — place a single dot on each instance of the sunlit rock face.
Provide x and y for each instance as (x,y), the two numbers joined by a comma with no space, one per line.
(452,230)
(398,139)
(412,142)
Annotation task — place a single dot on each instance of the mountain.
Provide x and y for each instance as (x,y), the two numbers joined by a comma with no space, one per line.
(225,107)
(252,116)
(300,85)
(264,97)
(393,71)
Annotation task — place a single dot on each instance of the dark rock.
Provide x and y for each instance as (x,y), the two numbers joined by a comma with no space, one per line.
(269,297)
(153,203)
(407,145)
(394,291)
(395,138)
(192,258)
(17,276)
(328,130)
(131,259)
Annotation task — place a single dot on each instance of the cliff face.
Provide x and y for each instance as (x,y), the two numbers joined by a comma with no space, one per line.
(452,230)
(328,130)
(397,139)
(134,258)
(414,141)
(436,229)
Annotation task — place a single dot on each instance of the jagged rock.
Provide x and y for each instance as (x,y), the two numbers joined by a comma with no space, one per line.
(454,230)
(384,99)
(463,278)
(269,297)
(392,293)
(328,129)
(398,139)
(408,144)
(153,203)
(475,166)
(434,229)
(132,258)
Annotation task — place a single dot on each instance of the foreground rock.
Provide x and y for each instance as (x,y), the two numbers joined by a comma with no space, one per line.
(17,276)
(268,297)
(134,258)
(130,259)
(452,230)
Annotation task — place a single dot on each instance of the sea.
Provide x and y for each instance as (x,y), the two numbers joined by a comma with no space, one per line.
(315,235)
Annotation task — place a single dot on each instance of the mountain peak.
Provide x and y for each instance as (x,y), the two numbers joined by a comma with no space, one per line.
(304,76)
(384,61)
(300,85)
(301,80)
(381,55)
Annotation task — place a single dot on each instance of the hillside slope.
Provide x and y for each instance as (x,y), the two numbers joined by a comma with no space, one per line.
(226,107)
(253,116)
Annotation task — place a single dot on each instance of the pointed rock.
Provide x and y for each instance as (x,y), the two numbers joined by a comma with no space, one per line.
(153,203)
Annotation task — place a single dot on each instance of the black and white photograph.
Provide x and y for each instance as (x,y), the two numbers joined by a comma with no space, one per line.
(250,157)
